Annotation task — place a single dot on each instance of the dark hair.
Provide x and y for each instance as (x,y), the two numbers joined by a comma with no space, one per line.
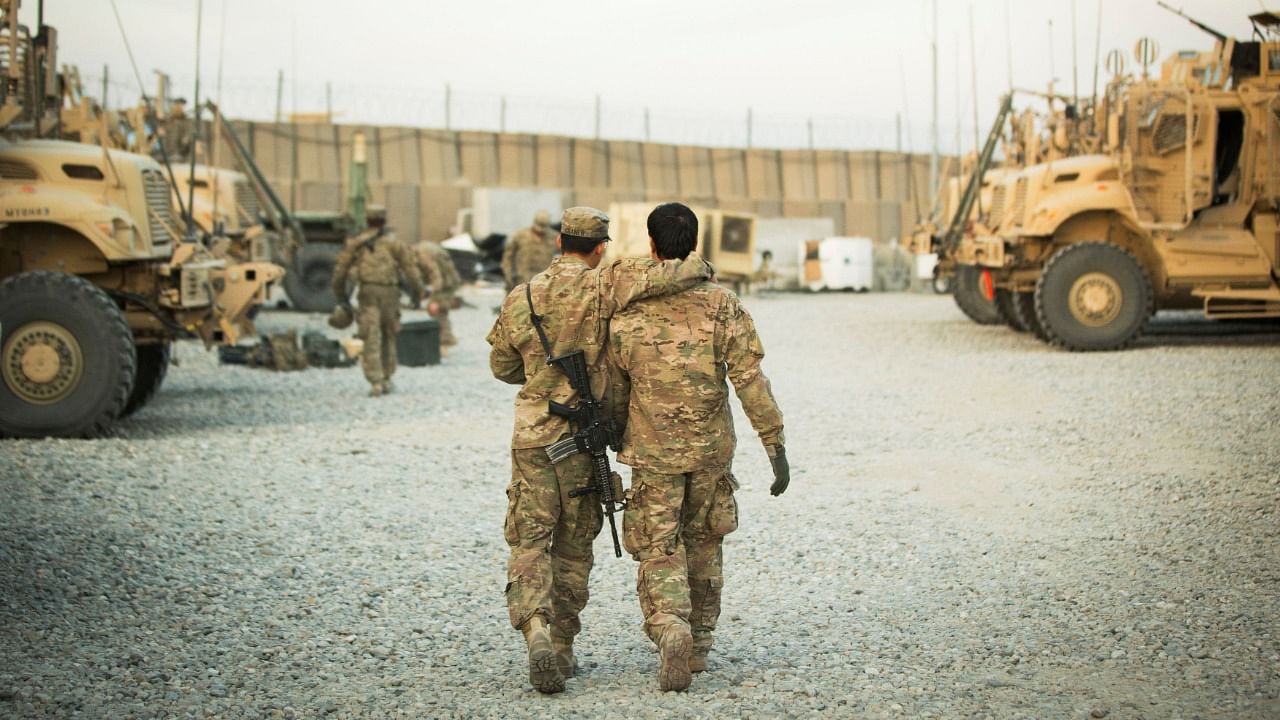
(674,230)
(578,245)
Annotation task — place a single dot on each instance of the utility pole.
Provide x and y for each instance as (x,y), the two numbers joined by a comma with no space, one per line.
(897,126)
(328,100)
(597,116)
(106,73)
(502,115)
(279,94)
(646,125)
(448,107)
(933,157)
(748,128)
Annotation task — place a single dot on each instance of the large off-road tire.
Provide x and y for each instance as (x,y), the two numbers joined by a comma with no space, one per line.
(1094,296)
(1023,305)
(1004,304)
(308,281)
(970,298)
(67,358)
(153,365)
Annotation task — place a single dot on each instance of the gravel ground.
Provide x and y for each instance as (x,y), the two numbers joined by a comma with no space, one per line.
(977,526)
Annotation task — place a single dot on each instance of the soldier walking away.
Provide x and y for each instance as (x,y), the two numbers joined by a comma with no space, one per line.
(375,260)
(442,277)
(548,528)
(529,251)
(671,356)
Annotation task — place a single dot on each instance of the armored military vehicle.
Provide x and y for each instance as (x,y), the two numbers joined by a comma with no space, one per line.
(96,278)
(1180,212)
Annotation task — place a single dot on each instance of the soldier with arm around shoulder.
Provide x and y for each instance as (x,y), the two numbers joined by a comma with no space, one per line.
(672,356)
(549,532)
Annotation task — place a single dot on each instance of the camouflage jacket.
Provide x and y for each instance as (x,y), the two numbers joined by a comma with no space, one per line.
(437,268)
(670,357)
(376,258)
(576,303)
(525,255)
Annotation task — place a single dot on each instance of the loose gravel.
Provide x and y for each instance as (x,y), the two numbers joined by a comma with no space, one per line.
(977,526)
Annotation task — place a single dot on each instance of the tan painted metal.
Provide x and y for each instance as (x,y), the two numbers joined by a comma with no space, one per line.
(42,362)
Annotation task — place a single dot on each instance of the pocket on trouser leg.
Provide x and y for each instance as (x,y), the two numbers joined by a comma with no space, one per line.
(510,532)
(632,525)
(704,597)
(722,517)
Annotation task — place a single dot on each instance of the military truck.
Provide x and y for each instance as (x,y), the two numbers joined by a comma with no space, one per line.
(96,278)
(726,239)
(1181,212)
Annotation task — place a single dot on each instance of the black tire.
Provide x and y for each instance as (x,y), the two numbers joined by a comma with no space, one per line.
(1024,307)
(970,298)
(56,316)
(153,365)
(1004,303)
(308,281)
(1094,296)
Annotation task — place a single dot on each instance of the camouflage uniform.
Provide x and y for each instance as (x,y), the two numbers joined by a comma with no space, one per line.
(549,533)
(671,357)
(528,252)
(376,260)
(442,277)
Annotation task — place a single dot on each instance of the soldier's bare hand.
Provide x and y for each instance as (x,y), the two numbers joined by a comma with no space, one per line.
(781,471)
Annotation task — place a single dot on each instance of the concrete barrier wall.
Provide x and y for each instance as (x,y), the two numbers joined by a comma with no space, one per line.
(425,175)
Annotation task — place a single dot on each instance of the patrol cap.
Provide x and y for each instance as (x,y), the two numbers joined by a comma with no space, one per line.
(585,222)
(376,212)
(542,220)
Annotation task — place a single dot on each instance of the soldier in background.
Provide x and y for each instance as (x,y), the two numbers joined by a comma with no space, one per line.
(550,532)
(442,277)
(178,133)
(670,357)
(529,251)
(376,261)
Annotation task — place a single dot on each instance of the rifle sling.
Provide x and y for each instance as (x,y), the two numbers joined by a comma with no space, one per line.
(537,322)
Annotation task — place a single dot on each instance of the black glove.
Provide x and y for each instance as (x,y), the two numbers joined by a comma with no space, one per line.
(781,471)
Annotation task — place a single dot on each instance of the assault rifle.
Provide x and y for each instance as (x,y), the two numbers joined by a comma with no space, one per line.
(593,430)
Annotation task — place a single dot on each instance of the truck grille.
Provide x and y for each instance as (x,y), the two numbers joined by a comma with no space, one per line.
(997,206)
(1019,202)
(11,170)
(247,203)
(159,210)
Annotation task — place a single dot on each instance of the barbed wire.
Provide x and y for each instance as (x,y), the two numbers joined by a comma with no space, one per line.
(259,99)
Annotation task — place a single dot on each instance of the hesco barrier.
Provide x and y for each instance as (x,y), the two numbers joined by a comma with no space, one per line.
(424,176)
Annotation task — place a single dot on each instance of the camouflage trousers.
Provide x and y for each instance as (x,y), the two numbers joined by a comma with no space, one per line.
(550,536)
(378,320)
(675,526)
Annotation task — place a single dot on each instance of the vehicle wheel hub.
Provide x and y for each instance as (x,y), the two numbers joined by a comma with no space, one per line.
(1095,299)
(42,363)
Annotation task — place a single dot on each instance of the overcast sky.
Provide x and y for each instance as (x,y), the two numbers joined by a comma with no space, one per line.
(698,64)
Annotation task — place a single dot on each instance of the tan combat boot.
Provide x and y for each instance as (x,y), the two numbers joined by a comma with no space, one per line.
(544,675)
(565,660)
(674,648)
(698,661)
(375,390)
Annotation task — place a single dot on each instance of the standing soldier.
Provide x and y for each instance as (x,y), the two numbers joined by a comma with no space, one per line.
(377,260)
(442,277)
(529,251)
(549,531)
(179,135)
(671,356)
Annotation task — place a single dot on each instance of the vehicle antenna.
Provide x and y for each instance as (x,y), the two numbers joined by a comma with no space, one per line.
(1008,44)
(195,143)
(146,101)
(1075,65)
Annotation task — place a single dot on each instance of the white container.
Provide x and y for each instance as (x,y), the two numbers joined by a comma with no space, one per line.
(842,263)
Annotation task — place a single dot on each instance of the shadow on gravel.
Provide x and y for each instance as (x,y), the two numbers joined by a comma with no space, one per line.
(1181,330)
